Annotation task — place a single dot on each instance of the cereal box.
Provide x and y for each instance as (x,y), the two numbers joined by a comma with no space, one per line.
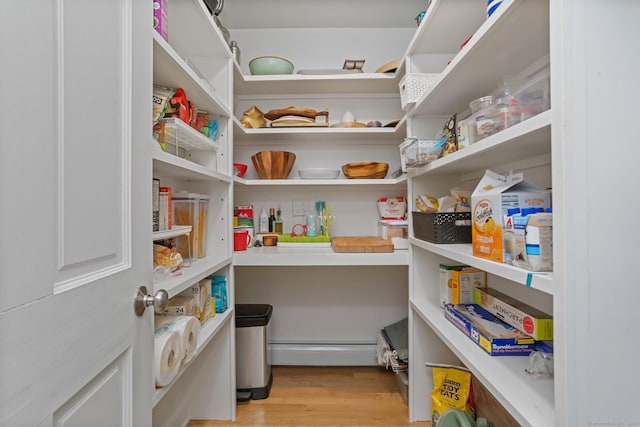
(463,284)
(490,200)
(521,316)
(445,281)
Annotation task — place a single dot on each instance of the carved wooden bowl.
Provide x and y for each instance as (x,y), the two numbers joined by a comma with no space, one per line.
(273,164)
(365,170)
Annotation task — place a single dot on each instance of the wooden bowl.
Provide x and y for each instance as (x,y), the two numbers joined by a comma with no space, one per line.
(365,170)
(273,164)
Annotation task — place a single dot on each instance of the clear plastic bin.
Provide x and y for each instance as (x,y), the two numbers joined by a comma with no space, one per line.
(191,209)
(416,152)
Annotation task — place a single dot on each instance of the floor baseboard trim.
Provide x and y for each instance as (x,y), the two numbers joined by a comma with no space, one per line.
(323,354)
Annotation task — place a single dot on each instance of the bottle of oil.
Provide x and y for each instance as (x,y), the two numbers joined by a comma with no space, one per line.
(279,221)
(272,220)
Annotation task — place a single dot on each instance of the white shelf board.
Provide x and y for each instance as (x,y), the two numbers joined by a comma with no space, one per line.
(176,230)
(462,253)
(207,332)
(321,182)
(468,15)
(193,32)
(504,45)
(287,256)
(529,400)
(167,164)
(188,275)
(326,135)
(528,139)
(360,83)
(170,70)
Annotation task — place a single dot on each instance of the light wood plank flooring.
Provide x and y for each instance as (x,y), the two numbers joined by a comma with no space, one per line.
(325,396)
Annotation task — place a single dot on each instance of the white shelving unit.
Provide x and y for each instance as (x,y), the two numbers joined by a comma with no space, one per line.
(193,162)
(512,41)
(283,272)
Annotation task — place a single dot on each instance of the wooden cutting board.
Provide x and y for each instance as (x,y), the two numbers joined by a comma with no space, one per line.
(361,244)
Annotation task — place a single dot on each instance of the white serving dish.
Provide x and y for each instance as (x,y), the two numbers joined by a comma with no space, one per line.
(319,173)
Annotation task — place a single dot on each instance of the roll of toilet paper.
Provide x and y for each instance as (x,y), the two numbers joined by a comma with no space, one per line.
(187,326)
(168,354)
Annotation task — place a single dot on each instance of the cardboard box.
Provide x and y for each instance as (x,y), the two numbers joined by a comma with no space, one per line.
(205,301)
(395,231)
(490,333)
(445,281)
(490,200)
(160,18)
(521,316)
(463,284)
(181,305)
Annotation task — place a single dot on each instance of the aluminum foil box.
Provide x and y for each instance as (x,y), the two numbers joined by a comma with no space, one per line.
(490,333)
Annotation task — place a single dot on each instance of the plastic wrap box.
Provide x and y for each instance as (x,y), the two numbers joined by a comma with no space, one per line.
(442,227)
(490,333)
(521,316)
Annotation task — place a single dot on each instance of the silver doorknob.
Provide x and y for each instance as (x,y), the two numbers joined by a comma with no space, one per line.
(159,301)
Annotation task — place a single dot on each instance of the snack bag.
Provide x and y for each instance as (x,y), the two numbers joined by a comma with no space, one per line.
(451,390)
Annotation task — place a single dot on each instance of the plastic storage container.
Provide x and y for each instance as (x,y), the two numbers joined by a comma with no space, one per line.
(191,209)
(416,152)
(253,361)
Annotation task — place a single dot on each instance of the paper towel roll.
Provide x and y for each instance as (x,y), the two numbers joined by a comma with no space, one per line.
(189,329)
(168,354)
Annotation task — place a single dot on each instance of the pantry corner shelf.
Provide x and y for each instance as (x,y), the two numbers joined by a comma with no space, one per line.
(528,399)
(207,332)
(542,281)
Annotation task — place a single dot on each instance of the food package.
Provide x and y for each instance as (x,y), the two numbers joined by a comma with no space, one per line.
(392,207)
(167,257)
(452,389)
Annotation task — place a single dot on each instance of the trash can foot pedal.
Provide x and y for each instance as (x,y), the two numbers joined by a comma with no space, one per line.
(243,396)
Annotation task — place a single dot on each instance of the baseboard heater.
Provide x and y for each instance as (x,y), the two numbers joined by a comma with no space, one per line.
(323,354)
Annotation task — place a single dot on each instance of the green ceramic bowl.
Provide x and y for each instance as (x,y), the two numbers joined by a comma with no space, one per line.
(266,65)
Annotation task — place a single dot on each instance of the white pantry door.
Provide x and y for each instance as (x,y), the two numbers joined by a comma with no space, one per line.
(75,80)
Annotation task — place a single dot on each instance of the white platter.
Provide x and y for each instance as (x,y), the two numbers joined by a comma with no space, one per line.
(319,173)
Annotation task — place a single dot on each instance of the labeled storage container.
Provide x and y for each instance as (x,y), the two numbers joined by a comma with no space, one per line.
(191,209)
(414,86)
(442,227)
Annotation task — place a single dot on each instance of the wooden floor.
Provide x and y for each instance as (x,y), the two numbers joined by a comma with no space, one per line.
(325,396)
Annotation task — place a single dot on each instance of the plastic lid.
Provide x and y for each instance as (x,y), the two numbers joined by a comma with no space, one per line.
(185,195)
(248,315)
(513,211)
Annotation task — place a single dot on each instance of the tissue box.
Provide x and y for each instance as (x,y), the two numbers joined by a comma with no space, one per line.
(490,333)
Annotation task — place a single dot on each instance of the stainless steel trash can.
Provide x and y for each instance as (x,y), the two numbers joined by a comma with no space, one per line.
(253,362)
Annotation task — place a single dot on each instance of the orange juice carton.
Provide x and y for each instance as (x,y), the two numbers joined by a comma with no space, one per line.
(463,284)
(527,319)
(490,200)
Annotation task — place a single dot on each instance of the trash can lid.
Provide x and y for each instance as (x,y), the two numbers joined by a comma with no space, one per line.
(248,315)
